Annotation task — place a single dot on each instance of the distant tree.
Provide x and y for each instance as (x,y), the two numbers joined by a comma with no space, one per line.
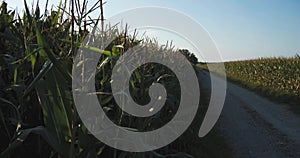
(190,56)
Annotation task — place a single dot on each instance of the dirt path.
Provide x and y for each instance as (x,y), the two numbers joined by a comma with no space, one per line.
(253,126)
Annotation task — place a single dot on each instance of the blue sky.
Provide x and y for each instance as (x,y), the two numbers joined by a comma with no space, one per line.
(242,29)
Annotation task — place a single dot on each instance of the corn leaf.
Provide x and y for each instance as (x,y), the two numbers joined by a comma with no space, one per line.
(56,101)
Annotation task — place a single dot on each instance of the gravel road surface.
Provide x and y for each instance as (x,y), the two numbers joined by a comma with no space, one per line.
(254,126)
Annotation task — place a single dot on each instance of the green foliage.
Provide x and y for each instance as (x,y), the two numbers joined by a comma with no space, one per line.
(35,93)
(276,78)
(37,113)
(190,56)
(280,76)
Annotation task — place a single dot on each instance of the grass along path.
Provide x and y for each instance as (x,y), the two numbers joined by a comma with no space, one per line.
(275,78)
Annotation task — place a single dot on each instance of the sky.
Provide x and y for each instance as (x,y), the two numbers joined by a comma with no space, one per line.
(241,29)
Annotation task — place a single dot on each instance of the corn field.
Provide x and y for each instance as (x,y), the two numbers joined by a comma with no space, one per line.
(37,113)
(277,78)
